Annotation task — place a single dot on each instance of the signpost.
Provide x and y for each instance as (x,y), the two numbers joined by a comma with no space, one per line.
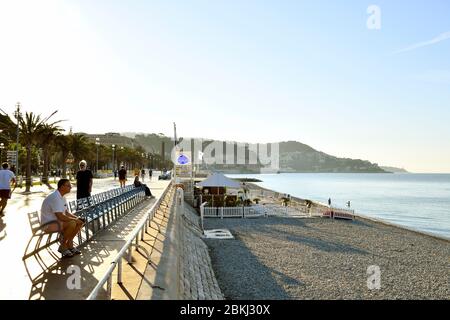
(183,165)
(11,156)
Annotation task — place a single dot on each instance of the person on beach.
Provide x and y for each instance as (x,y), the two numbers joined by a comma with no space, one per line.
(6,177)
(84,181)
(56,218)
(122,176)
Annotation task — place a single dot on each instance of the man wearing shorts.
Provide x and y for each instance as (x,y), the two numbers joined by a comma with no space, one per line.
(56,218)
(122,176)
(6,177)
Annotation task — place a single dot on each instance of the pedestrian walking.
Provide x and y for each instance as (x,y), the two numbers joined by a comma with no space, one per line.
(122,176)
(6,177)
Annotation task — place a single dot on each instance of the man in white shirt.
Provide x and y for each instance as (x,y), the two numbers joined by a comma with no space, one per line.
(56,218)
(6,177)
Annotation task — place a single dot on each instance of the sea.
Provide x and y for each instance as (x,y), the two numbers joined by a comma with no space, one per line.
(417,201)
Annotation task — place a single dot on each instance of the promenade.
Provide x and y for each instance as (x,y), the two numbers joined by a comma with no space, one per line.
(15,232)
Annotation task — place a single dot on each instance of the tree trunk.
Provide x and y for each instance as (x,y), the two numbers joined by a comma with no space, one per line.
(64,165)
(28,180)
(46,157)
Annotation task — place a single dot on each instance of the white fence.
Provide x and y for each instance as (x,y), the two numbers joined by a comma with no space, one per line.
(333,212)
(275,210)
(232,212)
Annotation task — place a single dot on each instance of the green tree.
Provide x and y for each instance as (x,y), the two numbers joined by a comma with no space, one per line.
(30,127)
(46,138)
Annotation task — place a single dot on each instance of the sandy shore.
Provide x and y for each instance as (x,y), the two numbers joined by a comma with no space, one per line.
(319,258)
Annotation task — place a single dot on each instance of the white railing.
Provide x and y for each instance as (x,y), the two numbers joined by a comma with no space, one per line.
(278,210)
(334,212)
(231,212)
(126,250)
(271,209)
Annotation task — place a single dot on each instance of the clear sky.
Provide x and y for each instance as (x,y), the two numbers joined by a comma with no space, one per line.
(253,70)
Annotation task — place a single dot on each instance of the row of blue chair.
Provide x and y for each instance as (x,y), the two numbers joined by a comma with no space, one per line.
(103,208)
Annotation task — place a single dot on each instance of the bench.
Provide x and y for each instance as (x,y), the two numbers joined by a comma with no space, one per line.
(98,211)
(39,240)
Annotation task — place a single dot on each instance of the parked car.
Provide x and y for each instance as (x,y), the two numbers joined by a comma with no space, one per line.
(165,176)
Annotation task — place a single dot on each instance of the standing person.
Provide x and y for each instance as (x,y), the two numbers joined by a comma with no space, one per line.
(150,172)
(6,177)
(56,218)
(142,174)
(115,174)
(122,176)
(84,181)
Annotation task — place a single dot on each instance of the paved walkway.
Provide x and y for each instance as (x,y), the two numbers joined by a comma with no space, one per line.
(15,233)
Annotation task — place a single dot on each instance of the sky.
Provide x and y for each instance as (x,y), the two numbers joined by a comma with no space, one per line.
(346,80)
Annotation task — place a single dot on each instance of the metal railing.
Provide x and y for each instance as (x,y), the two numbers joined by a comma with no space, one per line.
(133,241)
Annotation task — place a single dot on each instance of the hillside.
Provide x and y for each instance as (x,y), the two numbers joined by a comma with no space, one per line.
(298,157)
(294,156)
(394,169)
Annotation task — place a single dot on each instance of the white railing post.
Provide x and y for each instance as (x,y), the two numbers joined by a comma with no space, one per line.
(119,271)
(202,213)
(221,212)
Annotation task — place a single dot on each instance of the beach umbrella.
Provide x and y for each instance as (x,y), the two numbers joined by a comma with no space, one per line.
(219,180)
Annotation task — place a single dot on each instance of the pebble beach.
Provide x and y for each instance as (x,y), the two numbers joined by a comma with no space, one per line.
(321,258)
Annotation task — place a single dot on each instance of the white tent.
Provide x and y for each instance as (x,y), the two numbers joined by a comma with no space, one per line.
(219,180)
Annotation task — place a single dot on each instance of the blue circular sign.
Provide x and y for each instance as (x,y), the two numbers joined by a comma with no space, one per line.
(182,159)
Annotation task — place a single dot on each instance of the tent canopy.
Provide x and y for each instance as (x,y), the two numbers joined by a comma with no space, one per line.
(219,180)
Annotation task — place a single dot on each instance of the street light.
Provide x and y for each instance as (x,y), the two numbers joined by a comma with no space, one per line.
(17,115)
(97,142)
(113,148)
(2,146)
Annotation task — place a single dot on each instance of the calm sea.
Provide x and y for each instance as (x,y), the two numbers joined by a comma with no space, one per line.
(417,201)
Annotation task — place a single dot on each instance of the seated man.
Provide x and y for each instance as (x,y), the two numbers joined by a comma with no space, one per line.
(56,218)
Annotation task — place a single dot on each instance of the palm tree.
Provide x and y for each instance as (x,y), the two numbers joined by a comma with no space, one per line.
(8,128)
(62,142)
(80,147)
(47,136)
(30,128)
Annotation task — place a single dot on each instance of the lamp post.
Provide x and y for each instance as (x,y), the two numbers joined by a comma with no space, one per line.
(2,146)
(17,115)
(97,143)
(113,148)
